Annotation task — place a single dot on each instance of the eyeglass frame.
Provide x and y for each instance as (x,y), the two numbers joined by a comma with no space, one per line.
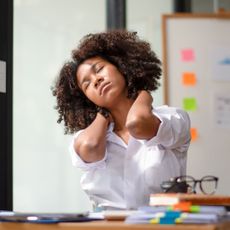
(175,182)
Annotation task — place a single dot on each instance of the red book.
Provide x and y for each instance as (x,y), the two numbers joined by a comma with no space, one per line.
(194,199)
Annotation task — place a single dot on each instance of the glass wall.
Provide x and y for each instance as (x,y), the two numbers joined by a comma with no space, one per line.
(45,31)
(44,34)
(145,17)
(207,6)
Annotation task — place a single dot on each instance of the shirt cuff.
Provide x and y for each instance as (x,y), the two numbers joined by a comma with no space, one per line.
(156,139)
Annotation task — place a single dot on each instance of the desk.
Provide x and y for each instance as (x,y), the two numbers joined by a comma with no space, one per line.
(109,225)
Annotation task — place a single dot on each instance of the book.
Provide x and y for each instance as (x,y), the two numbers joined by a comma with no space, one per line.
(173,217)
(182,207)
(182,213)
(118,214)
(160,199)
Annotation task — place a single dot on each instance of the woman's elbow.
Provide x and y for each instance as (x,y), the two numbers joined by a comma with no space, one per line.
(135,127)
(143,127)
(89,151)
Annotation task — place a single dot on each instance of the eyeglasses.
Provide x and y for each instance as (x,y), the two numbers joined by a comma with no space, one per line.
(188,184)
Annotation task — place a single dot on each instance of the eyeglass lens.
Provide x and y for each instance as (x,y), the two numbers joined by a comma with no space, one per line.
(207,184)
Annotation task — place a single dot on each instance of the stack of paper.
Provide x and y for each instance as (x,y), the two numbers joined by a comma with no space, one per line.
(181,213)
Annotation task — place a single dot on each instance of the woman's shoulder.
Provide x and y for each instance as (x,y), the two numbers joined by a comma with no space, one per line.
(168,111)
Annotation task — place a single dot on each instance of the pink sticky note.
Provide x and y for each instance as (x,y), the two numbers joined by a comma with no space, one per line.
(187,55)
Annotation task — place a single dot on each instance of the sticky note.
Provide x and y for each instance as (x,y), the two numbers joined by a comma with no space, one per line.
(189,79)
(189,104)
(187,55)
(193,132)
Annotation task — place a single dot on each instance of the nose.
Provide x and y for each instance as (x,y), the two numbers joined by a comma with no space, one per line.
(98,80)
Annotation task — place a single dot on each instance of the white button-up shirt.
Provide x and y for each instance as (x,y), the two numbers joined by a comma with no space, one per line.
(128,174)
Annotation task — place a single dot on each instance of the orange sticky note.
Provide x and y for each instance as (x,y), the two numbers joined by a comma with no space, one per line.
(189,79)
(187,55)
(194,134)
(182,206)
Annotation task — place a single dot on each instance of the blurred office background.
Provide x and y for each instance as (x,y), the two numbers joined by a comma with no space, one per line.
(45,32)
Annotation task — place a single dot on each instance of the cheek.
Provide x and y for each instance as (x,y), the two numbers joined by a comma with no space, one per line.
(117,77)
(93,97)
(121,81)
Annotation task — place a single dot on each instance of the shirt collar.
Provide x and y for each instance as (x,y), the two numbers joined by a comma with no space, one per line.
(111,136)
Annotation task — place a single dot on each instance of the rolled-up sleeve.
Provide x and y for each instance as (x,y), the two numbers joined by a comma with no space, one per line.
(79,163)
(174,130)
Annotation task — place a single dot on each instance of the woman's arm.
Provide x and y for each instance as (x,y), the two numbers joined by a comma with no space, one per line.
(91,143)
(141,122)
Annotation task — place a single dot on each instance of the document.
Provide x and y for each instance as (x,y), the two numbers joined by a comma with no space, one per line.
(7,216)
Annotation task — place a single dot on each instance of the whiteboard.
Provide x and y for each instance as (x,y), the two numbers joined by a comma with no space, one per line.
(196,67)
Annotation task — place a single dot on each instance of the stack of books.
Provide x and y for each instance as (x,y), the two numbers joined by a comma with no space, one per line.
(182,209)
(196,199)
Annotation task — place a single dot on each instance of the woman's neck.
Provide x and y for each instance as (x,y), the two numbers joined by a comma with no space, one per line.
(120,112)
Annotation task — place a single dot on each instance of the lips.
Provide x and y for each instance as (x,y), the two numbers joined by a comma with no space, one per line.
(103,87)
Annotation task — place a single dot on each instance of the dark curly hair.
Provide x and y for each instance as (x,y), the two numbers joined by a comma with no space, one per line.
(132,56)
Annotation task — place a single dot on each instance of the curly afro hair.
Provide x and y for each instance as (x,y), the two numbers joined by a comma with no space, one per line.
(132,56)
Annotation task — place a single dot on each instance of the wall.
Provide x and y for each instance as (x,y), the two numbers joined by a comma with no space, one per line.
(147,22)
(44,34)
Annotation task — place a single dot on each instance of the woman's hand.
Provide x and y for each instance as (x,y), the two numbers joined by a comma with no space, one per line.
(105,112)
(141,122)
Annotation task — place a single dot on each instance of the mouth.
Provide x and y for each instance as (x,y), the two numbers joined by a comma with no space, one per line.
(103,88)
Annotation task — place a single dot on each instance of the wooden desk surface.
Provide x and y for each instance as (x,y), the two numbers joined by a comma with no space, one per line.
(108,225)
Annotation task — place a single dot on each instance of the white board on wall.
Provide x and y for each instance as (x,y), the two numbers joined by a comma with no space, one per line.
(196,65)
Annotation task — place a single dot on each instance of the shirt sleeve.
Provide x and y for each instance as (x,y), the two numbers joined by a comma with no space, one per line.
(79,163)
(174,130)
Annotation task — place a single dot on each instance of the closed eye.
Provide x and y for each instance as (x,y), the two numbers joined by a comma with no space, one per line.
(98,69)
(85,85)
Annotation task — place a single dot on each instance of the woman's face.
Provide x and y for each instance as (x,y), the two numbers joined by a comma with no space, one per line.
(101,82)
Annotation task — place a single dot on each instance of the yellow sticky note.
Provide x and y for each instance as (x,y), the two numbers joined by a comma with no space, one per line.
(194,134)
(189,79)
(189,104)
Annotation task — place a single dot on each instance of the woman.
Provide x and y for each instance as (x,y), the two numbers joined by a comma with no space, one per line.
(124,145)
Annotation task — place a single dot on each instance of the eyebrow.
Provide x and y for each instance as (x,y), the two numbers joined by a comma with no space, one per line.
(85,77)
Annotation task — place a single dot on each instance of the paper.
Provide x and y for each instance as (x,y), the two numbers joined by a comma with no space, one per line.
(189,104)
(189,79)
(220,62)
(194,134)
(2,77)
(151,215)
(222,111)
(187,55)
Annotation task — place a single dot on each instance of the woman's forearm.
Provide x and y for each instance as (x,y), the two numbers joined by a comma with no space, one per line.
(141,122)
(90,144)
